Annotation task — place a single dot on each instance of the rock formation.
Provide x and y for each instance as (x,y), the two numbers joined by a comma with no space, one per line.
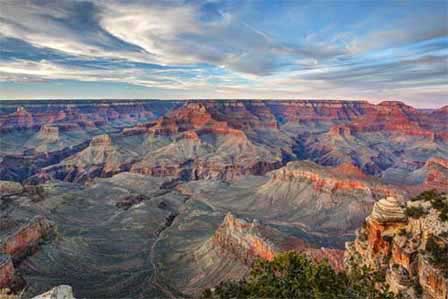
(24,240)
(203,147)
(401,248)
(49,133)
(319,110)
(9,188)
(343,177)
(248,241)
(436,174)
(393,116)
(7,271)
(59,292)
(308,193)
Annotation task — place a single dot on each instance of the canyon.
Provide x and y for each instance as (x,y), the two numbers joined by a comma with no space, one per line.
(136,198)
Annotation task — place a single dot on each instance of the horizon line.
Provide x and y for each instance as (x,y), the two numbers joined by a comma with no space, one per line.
(374,102)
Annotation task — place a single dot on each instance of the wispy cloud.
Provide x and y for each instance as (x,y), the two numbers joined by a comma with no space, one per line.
(219,47)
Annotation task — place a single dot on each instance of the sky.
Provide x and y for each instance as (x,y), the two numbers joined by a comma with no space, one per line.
(290,49)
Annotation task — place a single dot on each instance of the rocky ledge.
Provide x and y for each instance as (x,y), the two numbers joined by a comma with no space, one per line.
(248,241)
(7,271)
(346,177)
(436,174)
(9,188)
(407,244)
(17,245)
(49,133)
(59,292)
(23,241)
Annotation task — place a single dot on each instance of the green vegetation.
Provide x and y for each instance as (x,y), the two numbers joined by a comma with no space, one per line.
(426,195)
(291,275)
(438,253)
(438,200)
(415,212)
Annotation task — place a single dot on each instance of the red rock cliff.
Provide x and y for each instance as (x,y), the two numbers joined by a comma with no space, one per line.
(251,240)
(397,247)
(19,243)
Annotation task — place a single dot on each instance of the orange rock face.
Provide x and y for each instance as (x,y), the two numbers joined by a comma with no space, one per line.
(26,238)
(342,131)
(396,248)
(437,174)
(189,117)
(394,116)
(375,239)
(346,177)
(251,240)
(432,281)
(237,236)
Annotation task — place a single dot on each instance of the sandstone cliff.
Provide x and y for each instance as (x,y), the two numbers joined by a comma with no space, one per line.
(407,244)
(248,241)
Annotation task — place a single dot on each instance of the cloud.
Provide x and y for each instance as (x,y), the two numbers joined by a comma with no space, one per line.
(152,32)
(227,48)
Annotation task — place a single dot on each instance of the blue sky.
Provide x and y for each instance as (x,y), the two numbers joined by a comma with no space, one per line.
(366,50)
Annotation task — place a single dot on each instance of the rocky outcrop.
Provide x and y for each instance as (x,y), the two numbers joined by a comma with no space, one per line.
(401,248)
(20,119)
(340,131)
(243,239)
(7,271)
(59,292)
(331,179)
(436,174)
(387,210)
(194,118)
(248,241)
(18,243)
(23,241)
(49,133)
(9,188)
(101,140)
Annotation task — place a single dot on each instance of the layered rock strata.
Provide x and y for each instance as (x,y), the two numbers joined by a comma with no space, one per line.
(400,248)
(331,179)
(248,241)
(7,271)
(26,238)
